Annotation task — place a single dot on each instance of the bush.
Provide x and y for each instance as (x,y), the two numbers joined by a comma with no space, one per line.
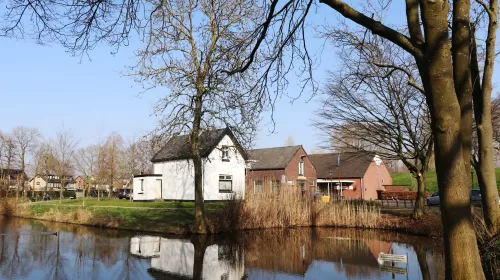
(404,195)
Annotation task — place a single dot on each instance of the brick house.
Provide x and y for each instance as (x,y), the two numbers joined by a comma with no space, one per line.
(274,168)
(11,178)
(359,175)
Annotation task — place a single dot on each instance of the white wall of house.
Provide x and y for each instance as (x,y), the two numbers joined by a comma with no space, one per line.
(147,188)
(178,175)
(177,257)
(38,183)
(145,246)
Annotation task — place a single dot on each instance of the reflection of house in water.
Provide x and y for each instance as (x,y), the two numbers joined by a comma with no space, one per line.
(348,257)
(179,258)
(324,254)
(145,246)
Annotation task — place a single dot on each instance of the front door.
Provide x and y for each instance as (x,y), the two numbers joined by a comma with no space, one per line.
(158,189)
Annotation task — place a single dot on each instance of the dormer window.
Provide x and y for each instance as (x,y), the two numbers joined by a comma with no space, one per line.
(301,167)
(225,153)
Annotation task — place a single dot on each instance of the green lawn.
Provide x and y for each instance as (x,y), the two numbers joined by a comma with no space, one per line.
(157,216)
(92,202)
(430,180)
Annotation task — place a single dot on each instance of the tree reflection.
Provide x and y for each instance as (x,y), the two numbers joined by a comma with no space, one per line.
(89,253)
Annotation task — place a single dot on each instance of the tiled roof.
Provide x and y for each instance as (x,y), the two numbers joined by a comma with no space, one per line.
(272,158)
(352,165)
(179,147)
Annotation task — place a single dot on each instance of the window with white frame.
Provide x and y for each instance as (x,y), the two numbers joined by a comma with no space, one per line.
(301,167)
(311,183)
(225,183)
(257,186)
(225,153)
(275,186)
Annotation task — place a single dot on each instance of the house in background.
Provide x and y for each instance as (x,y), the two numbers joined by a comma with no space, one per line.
(359,175)
(173,179)
(52,182)
(11,178)
(271,168)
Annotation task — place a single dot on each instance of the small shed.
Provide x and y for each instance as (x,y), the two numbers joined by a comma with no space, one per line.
(147,187)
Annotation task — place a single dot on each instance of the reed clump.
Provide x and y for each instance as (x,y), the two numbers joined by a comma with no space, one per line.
(10,207)
(291,209)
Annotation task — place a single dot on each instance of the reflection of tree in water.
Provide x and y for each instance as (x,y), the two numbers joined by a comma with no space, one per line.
(352,252)
(14,257)
(87,253)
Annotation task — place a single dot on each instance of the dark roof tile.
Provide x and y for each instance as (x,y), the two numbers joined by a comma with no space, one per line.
(352,165)
(272,158)
(179,147)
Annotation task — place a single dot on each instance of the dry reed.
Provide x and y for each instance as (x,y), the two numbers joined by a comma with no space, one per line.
(290,209)
(9,207)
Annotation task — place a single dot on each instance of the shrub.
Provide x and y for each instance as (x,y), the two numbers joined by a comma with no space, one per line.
(8,207)
(401,195)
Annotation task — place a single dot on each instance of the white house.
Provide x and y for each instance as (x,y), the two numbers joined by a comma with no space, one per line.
(173,178)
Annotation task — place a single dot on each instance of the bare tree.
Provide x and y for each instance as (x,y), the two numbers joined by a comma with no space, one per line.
(63,150)
(139,153)
(188,45)
(113,156)
(26,140)
(86,163)
(449,74)
(9,149)
(369,107)
(43,164)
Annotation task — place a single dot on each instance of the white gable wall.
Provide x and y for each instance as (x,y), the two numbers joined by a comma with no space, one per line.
(146,192)
(178,175)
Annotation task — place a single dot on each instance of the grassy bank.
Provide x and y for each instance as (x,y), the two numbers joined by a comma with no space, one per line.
(168,217)
(256,212)
(431,180)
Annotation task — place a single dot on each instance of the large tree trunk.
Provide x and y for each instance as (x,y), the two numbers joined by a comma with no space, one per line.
(462,259)
(461,39)
(485,168)
(418,210)
(199,223)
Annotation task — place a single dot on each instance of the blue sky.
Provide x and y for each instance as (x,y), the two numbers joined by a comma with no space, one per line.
(46,88)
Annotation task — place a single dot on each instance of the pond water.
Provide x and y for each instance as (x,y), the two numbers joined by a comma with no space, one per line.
(78,252)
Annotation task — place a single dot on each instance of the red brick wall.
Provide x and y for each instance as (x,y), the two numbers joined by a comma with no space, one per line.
(292,170)
(291,173)
(265,175)
(355,193)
